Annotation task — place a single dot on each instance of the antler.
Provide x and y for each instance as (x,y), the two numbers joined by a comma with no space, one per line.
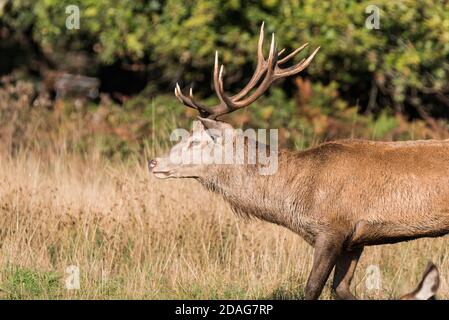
(269,68)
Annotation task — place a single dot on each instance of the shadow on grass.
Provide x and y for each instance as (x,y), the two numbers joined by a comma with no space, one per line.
(286,292)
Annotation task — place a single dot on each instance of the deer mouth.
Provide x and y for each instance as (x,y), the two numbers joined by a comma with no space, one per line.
(162,174)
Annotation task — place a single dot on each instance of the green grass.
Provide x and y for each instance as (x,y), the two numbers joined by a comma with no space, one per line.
(21,283)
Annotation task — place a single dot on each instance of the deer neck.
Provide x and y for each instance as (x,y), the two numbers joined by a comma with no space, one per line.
(279,198)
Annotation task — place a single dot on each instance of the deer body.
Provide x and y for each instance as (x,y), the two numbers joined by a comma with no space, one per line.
(370,192)
(339,196)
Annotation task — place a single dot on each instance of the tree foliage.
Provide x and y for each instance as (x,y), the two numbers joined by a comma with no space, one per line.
(403,66)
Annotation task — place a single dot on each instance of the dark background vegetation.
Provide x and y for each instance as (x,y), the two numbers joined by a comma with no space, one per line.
(389,83)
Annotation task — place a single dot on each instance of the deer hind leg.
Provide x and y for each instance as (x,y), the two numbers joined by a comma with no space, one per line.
(344,271)
(327,250)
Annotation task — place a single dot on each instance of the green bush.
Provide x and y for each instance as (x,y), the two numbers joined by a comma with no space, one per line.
(142,127)
(403,66)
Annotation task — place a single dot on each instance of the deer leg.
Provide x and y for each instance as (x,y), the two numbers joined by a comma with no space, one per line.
(327,250)
(344,271)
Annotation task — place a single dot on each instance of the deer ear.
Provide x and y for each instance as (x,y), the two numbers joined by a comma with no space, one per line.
(429,284)
(198,126)
(215,124)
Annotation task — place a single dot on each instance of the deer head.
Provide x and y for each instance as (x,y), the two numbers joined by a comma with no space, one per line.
(207,137)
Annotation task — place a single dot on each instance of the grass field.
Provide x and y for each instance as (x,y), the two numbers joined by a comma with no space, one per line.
(133,236)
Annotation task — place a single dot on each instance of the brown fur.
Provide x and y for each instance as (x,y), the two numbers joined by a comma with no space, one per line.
(377,192)
(344,195)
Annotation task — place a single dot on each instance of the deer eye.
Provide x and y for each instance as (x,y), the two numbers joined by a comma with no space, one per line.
(195,143)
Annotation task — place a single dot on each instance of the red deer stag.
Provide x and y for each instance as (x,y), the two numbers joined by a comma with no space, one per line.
(339,196)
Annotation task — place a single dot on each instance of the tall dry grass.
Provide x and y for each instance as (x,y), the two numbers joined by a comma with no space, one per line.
(63,203)
(136,237)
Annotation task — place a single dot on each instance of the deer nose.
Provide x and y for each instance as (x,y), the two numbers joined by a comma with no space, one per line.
(152,164)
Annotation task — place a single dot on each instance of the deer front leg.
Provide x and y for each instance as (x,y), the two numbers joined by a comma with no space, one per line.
(327,250)
(344,271)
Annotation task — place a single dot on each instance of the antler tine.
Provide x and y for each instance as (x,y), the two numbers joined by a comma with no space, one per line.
(218,80)
(260,68)
(260,56)
(270,67)
(291,55)
(274,72)
(189,102)
(226,104)
(304,63)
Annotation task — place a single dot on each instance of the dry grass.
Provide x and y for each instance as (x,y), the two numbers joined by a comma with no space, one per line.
(62,203)
(136,237)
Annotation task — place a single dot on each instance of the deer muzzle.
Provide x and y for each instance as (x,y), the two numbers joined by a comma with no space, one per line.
(152,164)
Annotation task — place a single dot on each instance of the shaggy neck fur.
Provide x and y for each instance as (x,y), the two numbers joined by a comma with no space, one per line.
(279,198)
